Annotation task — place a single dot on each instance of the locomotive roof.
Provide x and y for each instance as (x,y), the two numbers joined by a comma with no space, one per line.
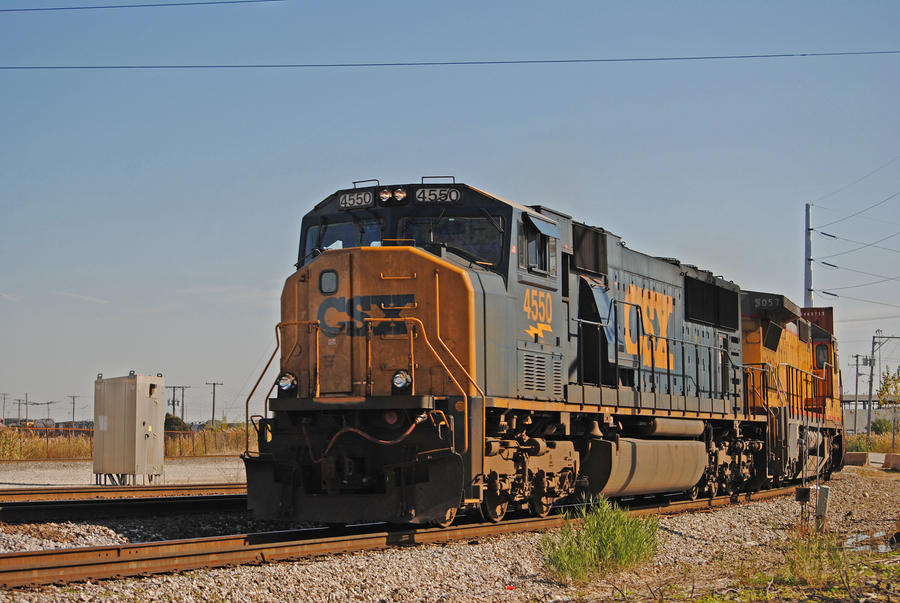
(533,211)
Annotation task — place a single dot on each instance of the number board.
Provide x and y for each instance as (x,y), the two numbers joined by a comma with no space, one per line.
(355,199)
(438,195)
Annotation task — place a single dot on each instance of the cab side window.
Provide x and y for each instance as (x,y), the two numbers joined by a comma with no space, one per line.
(537,250)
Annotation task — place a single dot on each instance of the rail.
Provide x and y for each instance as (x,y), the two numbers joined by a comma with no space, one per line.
(33,511)
(67,493)
(92,563)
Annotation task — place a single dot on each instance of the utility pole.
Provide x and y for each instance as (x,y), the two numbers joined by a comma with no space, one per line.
(856,398)
(73,409)
(173,400)
(214,384)
(880,340)
(19,419)
(183,387)
(26,407)
(807,263)
(4,408)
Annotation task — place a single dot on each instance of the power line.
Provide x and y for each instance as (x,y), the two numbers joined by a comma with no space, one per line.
(169,4)
(874,205)
(862,246)
(456,63)
(857,181)
(831,236)
(868,301)
(884,280)
(836,267)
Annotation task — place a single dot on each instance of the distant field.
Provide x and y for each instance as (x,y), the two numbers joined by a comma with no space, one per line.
(41,443)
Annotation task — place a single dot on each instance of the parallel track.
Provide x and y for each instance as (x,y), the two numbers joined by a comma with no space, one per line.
(107,492)
(70,510)
(69,565)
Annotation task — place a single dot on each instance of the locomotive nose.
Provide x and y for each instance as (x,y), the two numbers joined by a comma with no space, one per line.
(355,324)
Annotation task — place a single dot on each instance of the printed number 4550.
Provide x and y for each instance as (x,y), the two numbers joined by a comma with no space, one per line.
(538,305)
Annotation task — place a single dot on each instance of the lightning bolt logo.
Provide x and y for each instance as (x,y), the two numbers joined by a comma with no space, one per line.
(537,330)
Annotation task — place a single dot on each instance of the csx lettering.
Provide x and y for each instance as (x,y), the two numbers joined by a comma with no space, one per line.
(656,310)
(358,309)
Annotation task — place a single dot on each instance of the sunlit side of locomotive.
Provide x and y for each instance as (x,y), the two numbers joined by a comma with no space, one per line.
(442,348)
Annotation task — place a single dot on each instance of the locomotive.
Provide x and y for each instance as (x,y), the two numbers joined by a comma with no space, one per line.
(444,349)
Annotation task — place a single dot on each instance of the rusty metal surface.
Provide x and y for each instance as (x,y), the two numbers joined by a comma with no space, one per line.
(69,565)
(57,493)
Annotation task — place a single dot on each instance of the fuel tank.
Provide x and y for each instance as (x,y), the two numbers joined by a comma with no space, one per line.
(631,467)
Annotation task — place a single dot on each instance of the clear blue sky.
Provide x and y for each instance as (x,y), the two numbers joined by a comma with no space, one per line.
(149,218)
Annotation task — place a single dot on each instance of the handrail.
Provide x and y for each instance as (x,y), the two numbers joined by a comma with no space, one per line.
(642,334)
(437,313)
(420,324)
(265,370)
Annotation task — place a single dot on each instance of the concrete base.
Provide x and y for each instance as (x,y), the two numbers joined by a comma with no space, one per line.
(891,461)
(858,459)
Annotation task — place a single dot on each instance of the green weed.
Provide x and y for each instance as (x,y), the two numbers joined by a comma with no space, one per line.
(597,539)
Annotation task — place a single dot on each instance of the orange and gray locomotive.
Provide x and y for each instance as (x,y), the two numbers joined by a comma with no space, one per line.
(444,349)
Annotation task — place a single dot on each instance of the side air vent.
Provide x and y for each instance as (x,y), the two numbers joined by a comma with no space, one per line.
(534,372)
(557,378)
(540,375)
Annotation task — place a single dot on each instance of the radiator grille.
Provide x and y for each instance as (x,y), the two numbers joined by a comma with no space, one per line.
(534,372)
(557,378)
(541,375)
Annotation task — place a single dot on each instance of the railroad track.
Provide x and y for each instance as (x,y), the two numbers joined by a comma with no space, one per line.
(56,493)
(68,510)
(69,565)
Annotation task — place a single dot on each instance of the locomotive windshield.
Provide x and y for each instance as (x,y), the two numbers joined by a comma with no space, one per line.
(337,235)
(476,236)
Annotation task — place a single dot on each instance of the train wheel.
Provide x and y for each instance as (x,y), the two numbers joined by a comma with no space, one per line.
(540,505)
(448,519)
(693,493)
(494,506)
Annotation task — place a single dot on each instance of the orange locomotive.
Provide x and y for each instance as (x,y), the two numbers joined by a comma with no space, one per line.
(442,348)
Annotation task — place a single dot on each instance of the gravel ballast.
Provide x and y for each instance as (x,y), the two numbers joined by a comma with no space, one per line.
(699,551)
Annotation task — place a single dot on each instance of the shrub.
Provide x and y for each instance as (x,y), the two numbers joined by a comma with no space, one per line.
(174,423)
(881,426)
(607,540)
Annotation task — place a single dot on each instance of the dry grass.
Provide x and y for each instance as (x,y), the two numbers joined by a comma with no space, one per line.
(29,444)
(875,443)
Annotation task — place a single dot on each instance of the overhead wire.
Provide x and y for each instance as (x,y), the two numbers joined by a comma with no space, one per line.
(888,317)
(454,63)
(859,299)
(832,236)
(105,6)
(857,181)
(861,246)
(836,267)
(856,213)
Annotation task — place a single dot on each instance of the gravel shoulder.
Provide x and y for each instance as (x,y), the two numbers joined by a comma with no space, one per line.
(699,553)
(179,470)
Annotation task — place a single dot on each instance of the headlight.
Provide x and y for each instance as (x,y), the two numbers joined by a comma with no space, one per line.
(400,194)
(385,194)
(401,379)
(286,382)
